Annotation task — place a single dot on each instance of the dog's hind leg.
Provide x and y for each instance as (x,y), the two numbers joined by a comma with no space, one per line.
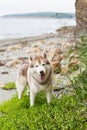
(20,91)
(20,84)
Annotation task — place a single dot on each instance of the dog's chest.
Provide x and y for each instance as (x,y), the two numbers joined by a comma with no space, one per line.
(36,87)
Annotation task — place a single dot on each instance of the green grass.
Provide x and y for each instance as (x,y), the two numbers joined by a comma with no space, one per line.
(60,114)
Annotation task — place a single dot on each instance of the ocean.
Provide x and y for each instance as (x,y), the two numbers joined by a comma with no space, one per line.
(25,27)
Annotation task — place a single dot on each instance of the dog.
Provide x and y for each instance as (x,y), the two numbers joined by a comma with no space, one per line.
(37,74)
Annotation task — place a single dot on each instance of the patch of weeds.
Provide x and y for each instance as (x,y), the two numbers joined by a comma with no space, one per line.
(73,68)
(57,70)
(80,82)
(60,114)
(82,50)
(9,86)
(80,87)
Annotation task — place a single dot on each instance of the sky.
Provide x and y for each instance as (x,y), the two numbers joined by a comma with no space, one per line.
(29,6)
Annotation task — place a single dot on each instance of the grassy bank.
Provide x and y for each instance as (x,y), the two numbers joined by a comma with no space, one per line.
(62,114)
(66,113)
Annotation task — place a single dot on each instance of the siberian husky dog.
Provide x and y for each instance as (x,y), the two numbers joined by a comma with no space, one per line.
(37,74)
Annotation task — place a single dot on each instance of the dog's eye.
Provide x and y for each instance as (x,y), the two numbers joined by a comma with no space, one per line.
(43,64)
(48,63)
(36,65)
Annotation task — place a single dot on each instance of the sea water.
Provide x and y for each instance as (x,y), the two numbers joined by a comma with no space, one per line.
(25,27)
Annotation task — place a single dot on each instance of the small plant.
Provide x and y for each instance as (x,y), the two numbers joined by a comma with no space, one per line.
(9,86)
(80,87)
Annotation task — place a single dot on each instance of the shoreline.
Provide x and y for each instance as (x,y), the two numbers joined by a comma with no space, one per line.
(30,38)
(66,32)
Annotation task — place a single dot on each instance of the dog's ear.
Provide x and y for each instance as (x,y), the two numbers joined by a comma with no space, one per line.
(44,55)
(30,59)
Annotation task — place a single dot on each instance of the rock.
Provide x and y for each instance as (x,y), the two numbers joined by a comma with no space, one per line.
(66,29)
(14,63)
(14,47)
(41,42)
(34,49)
(24,43)
(2,50)
(54,54)
(55,59)
(81,16)
(5,72)
(69,64)
(62,85)
(56,66)
(2,64)
(24,59)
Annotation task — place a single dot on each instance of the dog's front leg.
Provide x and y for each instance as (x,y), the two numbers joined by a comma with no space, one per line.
(27,93)
(32,98)
(49,96)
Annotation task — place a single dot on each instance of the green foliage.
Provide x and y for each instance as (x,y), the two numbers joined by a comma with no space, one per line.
(83,50)
(80,87)
(10,85)
(73,68)
(80,82)
(60,114)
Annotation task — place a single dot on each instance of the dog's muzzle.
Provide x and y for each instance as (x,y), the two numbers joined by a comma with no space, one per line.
(42,75)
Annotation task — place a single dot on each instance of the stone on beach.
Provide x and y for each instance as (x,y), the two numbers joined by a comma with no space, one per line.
(14,47)
(14,63)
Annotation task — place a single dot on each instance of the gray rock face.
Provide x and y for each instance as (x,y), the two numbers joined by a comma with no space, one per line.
(81,16)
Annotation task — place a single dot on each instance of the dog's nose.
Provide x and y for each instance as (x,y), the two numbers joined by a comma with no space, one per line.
(42,72)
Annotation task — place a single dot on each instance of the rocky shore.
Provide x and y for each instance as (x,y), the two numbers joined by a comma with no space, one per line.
(14,52)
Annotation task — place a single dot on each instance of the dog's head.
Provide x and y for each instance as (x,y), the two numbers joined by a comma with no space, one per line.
(40,67)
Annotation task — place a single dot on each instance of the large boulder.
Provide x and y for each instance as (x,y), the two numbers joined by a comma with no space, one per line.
(81,16)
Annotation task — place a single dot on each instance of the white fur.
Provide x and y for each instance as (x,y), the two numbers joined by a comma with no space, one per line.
(35,83)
